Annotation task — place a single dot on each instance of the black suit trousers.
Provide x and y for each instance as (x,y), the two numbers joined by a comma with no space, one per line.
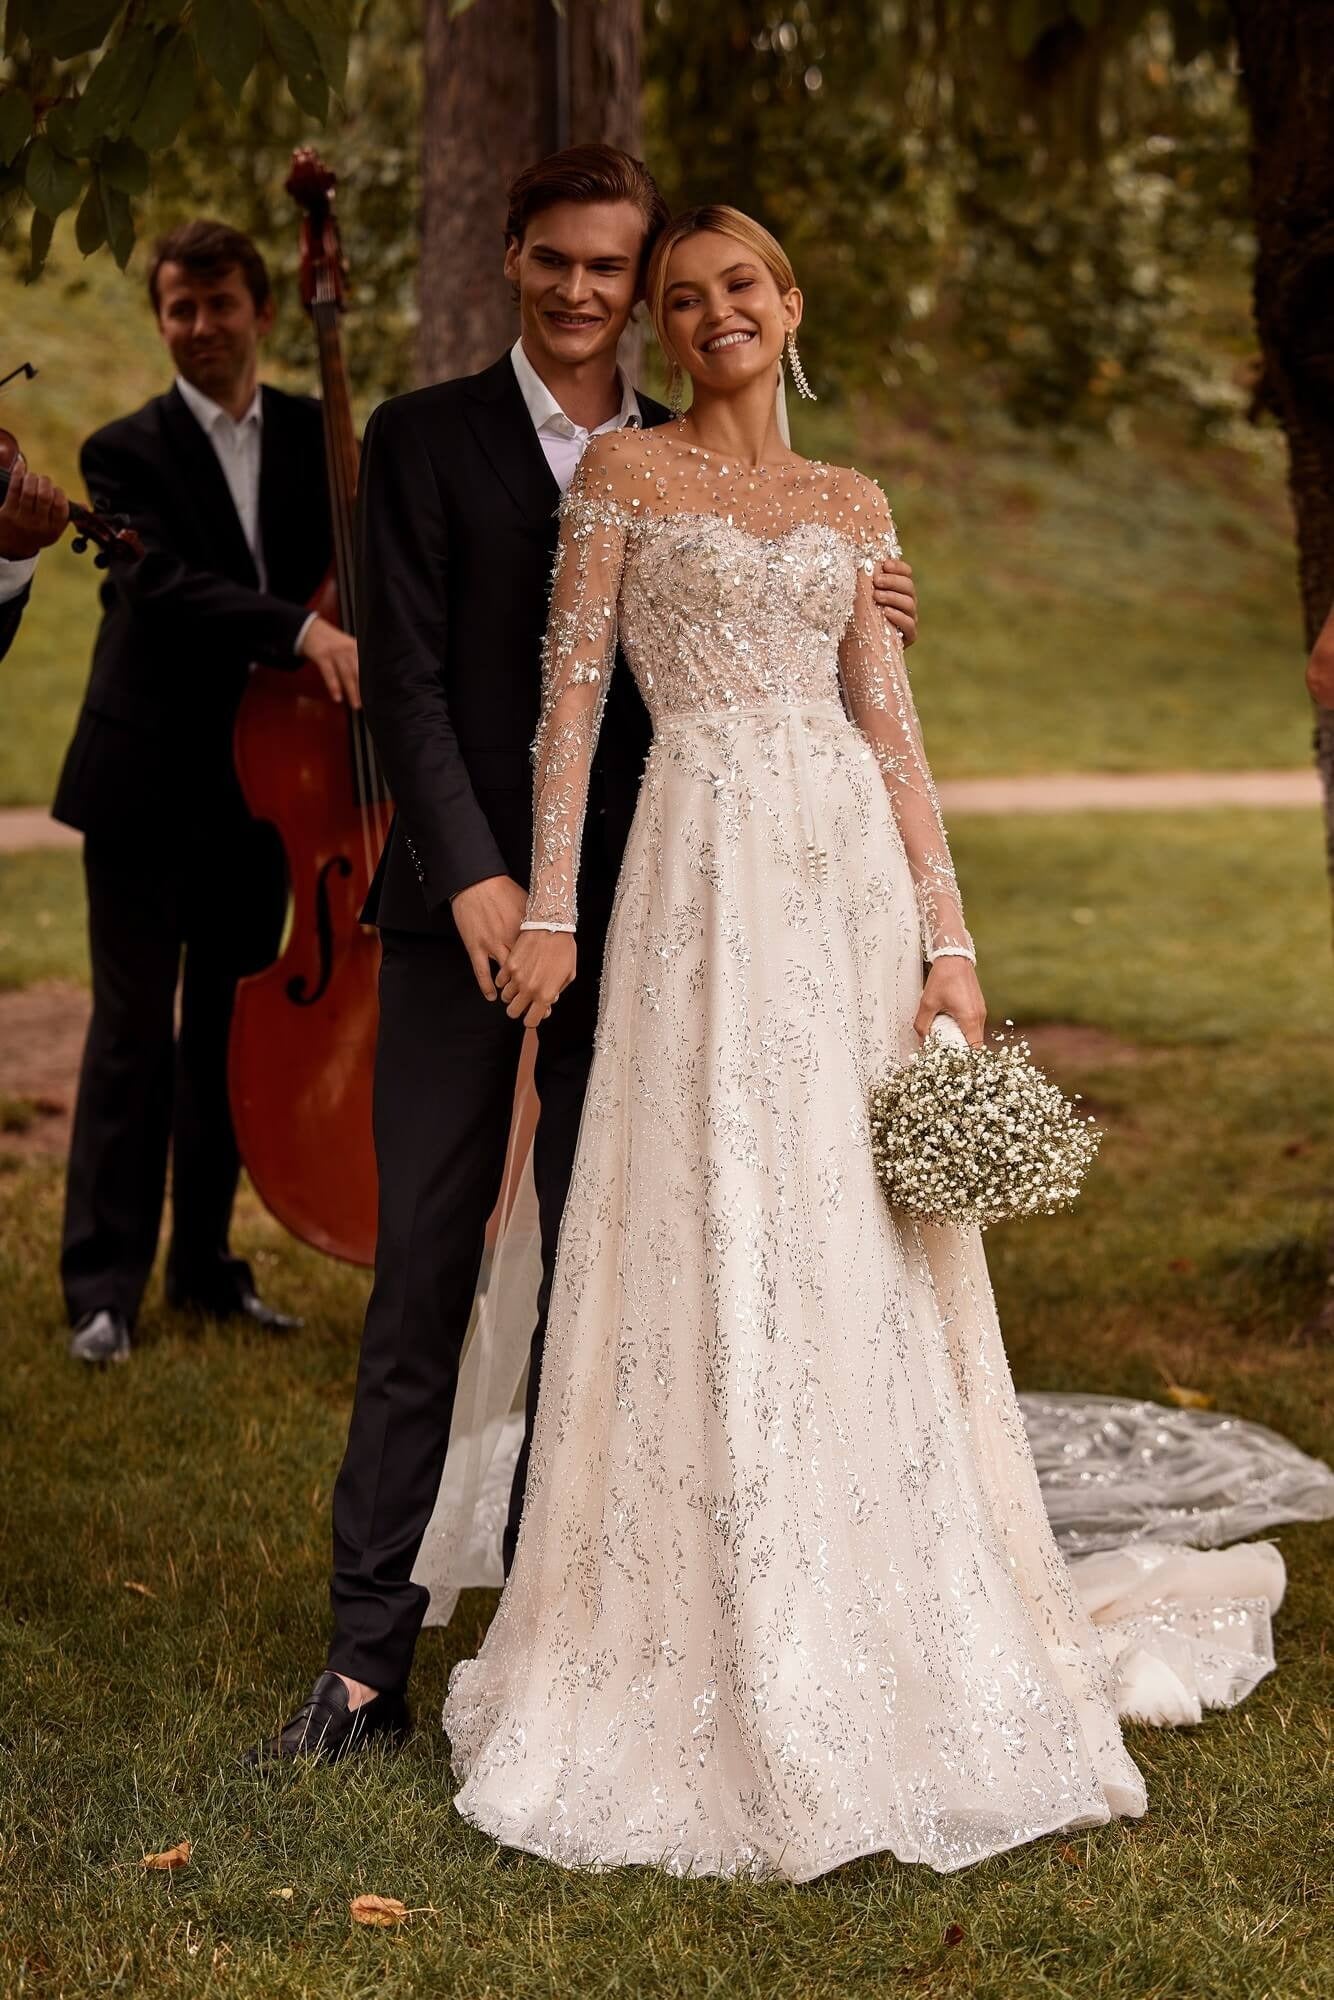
(199,917)
(445,1070)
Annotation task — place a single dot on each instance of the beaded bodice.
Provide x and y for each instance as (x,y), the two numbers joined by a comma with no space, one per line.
(714,614)
(729,588)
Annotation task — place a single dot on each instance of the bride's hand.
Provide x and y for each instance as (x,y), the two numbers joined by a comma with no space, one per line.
(951,988)
(536,973)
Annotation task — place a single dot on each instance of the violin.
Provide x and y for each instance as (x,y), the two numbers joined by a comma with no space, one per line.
(113,538)
(302,1044)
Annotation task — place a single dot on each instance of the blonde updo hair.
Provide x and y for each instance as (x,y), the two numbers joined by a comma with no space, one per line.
(723,221)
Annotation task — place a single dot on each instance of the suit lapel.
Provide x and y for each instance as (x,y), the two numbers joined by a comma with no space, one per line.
(498,418)
(196,463)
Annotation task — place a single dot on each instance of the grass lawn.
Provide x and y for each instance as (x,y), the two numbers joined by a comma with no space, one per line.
(165,1529)
(1119,606)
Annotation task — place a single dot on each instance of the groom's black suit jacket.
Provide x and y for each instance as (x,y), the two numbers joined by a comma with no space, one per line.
(152,749)
(457,514)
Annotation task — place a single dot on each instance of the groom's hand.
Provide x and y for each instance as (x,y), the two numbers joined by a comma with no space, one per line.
(896,595)
(487,916)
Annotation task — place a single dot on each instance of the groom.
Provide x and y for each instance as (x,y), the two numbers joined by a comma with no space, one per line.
(458,495)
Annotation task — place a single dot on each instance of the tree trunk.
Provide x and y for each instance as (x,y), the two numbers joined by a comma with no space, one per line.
(1287,65)
(505,82)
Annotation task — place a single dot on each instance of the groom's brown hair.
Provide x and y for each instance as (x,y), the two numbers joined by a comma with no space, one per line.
(586,173)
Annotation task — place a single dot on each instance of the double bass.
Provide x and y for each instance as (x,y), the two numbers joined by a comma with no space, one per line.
(303,1030)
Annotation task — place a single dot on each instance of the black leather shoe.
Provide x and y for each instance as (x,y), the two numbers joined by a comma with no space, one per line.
(249,1305)
(244,1304)
(325,1728)
(100,1337)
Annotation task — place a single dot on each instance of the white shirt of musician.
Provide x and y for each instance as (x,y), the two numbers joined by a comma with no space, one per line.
(562,440)
(238,447)
(16,573)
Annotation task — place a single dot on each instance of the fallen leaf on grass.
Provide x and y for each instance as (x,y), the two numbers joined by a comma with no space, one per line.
(1188,1399)
(953,1934)
(175,1857)
(1071,1854)
(139,1589)
(378,1910)
(286,1894)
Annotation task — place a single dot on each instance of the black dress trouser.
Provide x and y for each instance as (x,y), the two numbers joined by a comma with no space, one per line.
(147,1087)
(445,1069)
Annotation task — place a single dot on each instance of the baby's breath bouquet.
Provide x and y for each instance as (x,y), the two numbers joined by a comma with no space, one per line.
(970,1135)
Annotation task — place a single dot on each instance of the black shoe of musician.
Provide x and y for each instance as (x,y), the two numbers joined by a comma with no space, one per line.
(325,1728)
(244,1304)
(100,1337)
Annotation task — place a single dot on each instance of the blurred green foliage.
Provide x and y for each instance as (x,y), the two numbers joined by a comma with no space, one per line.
(92,91)
(1025,193)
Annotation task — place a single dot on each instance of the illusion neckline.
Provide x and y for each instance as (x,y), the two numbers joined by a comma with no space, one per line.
(728,468)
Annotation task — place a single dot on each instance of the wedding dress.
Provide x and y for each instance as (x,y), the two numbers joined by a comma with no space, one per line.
(786,1590)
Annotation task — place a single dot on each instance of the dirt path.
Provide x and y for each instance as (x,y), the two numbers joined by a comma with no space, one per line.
(23,827)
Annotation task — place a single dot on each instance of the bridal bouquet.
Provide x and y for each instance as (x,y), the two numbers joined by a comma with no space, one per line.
(977,1135)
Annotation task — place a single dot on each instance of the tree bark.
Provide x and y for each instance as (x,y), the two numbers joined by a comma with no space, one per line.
(1287,66)
(505,82)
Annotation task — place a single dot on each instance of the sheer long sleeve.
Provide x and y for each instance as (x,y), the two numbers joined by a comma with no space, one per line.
(879,700)
(577,658)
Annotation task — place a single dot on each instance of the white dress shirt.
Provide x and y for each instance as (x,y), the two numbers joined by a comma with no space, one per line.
(562,440)
(238,447)
(16,573)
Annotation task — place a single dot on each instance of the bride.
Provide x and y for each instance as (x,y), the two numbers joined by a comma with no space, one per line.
(785,1592)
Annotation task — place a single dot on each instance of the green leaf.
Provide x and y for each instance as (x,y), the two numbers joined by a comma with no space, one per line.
(168,100)
(52,183)
(329,25)
(39,242)
(17,16)
(90,226)
(230,39)
(116,87)
(119,219)
(298,60)
(124,165)
(61,127)
(65,28)
(15,124)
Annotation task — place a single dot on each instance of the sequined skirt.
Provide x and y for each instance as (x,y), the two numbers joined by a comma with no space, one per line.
(785,1592)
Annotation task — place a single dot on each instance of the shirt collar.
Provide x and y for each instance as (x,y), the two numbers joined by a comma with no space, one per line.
(546,412)
(206,412)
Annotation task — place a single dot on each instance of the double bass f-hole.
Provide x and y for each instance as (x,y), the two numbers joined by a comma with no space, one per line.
(299,989)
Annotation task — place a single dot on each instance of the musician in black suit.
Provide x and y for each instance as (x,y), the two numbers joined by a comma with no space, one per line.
(225,484)
(458,494)
(34,514)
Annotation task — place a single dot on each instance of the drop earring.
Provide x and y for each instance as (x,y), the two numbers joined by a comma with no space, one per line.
(802,386)
(675,390)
